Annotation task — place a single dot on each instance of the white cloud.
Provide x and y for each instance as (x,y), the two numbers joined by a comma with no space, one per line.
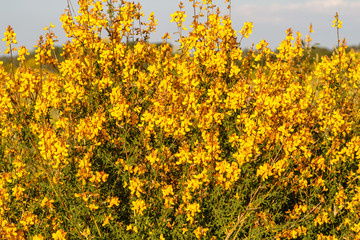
(276,12)
(272,18)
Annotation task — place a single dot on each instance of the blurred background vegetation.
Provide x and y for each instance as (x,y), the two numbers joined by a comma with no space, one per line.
(30,60)
(317,51)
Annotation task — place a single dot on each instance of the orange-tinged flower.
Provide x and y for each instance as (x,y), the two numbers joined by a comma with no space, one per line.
(311,28)
(107,220)
(200,232)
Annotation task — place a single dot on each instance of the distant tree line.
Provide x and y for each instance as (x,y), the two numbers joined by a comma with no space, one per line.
(316,51)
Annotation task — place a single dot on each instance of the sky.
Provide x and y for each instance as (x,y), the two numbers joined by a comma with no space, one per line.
(270,19)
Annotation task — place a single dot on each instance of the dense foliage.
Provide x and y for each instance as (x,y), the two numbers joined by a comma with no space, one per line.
(132,141)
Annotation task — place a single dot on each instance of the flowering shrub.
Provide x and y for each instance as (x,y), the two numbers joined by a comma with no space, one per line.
(129,140)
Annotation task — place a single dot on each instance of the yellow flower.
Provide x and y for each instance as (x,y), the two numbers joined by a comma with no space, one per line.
(132,227)
(18,191)
(107,220)
(168,190)
(59,235)
(114,201)
(265,171)
(38,237)
(191,210)
(47,202)
(136,187)
(22,52)
(337,23)
(247,29)
(321,218)
(138,206)
(200,232)
(10,38)
(93,206)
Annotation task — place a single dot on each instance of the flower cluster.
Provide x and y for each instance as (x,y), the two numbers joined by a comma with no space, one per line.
(128,139)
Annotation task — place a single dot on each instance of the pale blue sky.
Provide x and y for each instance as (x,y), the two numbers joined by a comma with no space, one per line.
(270,18)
